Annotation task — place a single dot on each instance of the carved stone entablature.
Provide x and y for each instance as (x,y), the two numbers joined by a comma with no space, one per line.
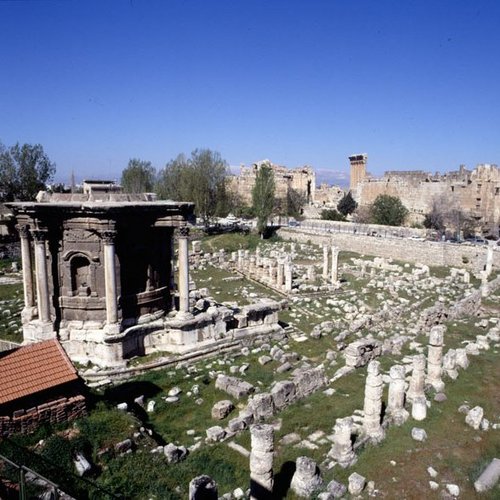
(39,235)
(108,236)
(80,235)
(23,230)
(183,232)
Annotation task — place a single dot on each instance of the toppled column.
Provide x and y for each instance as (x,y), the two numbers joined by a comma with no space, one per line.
(335,265)
(203,488)
(306,478)
(341,450)
(489,477)
(417,381)
(261,461)
(396,405)
(435,357)
(373,403)
(325,262)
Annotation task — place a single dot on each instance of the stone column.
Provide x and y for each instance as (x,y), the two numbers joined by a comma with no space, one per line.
(108,238)
(257,257)
(203,488)
(417,381)
(373,403)
(335,265)
(42,278)
(183,270)
(279,277)
(261,461)
(271,271)
(241,258)
(325,262)
(419,408)
(489,261)
(396,404)
(311,273)
(305,479)
(341,450)
(435,357)
(29,302)
(288,276)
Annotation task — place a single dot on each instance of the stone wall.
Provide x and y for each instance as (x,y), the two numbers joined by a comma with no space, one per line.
(53,412)
(431,253)
(476,192)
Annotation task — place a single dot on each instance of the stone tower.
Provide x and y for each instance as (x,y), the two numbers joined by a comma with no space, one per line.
(358,169)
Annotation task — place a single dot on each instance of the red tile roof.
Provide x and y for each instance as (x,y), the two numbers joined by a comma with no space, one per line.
(33,368)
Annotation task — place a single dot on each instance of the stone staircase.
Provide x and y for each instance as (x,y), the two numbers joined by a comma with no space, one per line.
(295,334)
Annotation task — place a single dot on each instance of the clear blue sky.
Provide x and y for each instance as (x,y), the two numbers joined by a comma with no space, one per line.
(415,84)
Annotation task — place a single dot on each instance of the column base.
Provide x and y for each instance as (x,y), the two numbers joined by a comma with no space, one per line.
(36,331)
(184,315)
(28,313)
(112,328)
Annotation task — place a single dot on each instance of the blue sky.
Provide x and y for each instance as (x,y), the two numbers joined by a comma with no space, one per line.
(415,84)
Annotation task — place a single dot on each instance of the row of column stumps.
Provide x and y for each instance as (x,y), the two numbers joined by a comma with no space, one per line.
(108,236)
(342,451)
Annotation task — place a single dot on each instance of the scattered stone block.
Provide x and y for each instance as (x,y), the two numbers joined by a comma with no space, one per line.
(474,417)
(215,433)
(489,477)
(336,489)
(418,434)
(174,454)
(222,409)
(356,483)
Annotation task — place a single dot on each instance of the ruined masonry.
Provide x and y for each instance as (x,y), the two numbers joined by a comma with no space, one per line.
(99,275)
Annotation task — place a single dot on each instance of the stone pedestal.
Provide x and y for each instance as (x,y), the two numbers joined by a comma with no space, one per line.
(261,461)
(306,478)
(373,403)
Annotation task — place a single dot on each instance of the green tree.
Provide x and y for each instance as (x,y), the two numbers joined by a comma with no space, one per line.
(332,214)
(295,202)
(138,177)
(263,196)
(201,179)
(388,210)
(24,171)
(347,205)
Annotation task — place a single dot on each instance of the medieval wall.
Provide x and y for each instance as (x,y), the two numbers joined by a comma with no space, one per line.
(475,192)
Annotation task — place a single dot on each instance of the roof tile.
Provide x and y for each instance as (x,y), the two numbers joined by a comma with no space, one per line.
(34,368)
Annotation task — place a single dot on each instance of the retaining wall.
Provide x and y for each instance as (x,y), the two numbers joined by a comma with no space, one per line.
(431,253)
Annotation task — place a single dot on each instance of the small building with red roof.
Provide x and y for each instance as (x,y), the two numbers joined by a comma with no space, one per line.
(38,384)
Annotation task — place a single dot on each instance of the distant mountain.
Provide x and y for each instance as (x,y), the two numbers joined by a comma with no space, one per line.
(323,175)
(332,177)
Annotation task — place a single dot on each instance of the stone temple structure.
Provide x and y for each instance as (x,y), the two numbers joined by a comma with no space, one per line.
(100,267)
(102,275)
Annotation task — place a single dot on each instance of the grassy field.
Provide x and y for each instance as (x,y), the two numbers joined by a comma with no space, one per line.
(398,465)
